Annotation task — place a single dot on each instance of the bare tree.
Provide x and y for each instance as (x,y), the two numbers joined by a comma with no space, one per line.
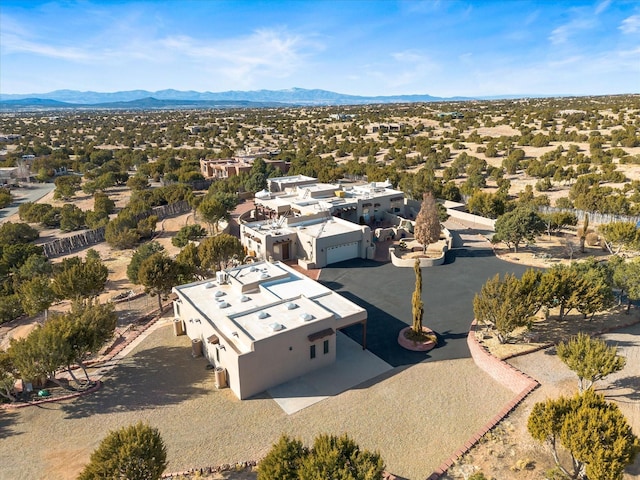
(427,229)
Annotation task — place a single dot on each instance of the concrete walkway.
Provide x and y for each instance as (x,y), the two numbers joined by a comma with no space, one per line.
(352,367)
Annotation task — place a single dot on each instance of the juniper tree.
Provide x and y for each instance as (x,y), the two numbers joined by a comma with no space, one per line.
(590,358)
(136,452)
(594,433)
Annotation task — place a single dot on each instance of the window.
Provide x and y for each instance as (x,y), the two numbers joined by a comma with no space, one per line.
(217,355)
(312,351)
(326,346)
(177,307)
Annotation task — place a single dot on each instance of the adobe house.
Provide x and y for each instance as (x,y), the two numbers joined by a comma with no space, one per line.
(263,324)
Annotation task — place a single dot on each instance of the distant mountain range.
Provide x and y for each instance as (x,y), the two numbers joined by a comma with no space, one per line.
(143,99)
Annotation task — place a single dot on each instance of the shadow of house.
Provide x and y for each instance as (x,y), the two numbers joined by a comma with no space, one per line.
(150,378)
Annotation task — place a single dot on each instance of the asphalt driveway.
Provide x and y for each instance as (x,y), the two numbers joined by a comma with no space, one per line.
(448,290)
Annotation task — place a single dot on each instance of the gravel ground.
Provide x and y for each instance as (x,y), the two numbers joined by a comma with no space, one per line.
(416,417)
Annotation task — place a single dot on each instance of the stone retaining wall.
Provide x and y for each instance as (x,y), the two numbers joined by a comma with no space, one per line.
(516,381)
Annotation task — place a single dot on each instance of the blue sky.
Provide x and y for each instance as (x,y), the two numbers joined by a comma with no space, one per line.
(362,47)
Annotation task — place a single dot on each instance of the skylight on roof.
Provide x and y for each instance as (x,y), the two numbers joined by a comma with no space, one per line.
(275,326)
(305,317)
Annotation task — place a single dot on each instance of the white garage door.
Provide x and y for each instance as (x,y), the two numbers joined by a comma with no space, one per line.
(342,252)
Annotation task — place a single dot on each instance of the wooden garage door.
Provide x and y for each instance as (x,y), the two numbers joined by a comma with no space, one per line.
(343,252)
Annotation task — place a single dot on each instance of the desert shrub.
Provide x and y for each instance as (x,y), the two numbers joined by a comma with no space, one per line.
(593,239)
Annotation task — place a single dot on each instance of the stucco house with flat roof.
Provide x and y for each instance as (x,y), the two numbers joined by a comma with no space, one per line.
(318,224)
(263,324)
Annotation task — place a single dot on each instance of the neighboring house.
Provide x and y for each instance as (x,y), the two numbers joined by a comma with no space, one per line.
(281,184)
(218,169)
(263,324)
(314,240)
(318,224)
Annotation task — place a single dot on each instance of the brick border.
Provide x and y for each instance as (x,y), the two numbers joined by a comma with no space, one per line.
(512,378)
(105,358)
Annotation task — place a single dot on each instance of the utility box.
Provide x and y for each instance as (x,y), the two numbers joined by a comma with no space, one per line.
(221,377)
(196,348)
(178,327)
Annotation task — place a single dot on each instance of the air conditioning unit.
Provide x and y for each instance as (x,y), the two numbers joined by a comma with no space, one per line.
(222,277)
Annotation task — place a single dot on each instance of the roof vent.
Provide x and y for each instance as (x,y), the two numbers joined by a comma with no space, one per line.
(219,293)
(291,306)
(244,298)
(305,317)
(265,275)
(262,314)
(209,285)
(275,326)
(223,304)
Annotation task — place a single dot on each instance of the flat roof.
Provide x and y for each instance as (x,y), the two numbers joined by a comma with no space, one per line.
(263,299)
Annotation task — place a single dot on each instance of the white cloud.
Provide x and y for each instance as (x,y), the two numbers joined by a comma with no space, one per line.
(602,6)
(630,24)
(581,20)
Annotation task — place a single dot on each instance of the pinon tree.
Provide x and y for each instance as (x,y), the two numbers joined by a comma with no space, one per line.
(330,457)
(594,433)
(590,358)
(427,228)
(136,452)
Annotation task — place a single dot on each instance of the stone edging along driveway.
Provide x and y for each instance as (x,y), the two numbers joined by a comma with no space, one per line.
(513,379)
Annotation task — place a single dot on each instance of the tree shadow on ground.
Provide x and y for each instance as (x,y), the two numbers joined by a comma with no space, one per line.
(151,378)
(8,418)
(382,335)
(630,392)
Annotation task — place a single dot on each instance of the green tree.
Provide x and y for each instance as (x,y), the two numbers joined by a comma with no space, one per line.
(138,183)
(71,218)
(556,221)
(563,287)
(518,225)
(136,452)
(594,433)
(36,294)
(486,204)
(102,203)
(216,207)
(12,233)
(283,460)
(340,458)
(143,252)
(39,355)
(427,228)
(188,233)
(10,307)
(80,279)
(626,276)
(159,274)
(216,253)
(590,358)
(6,198)
(7,376)
(506,304)
(86,328)
(333,457)
(617,235)
(67,186)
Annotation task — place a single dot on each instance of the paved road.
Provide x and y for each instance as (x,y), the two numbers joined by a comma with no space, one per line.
(29,192)
(448,291)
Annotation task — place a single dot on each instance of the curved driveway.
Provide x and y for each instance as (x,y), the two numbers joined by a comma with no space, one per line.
(448,291)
